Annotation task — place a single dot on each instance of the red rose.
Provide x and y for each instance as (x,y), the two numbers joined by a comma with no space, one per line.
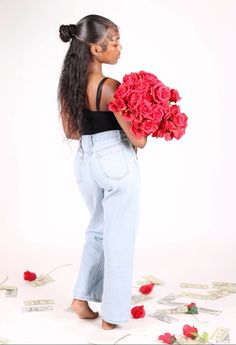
(29,276)
(168,125)
(117,105)
(146,289)
(135,98)
(160,133)
(129,116)
(167,338)
(123,92)
(157,113)
(138,312)
(191,305)
(148,97)
(192,308)
(161,93)
(180,120)
(174,109)
(165,106)
(151,78)
(174,96)
(168,136)
(137,131)
(131,78)
(190,332)
(145,109)
(178,133)
(149,126)
(142,86)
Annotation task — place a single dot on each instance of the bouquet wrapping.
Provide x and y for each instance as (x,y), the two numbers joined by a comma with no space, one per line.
(149,106)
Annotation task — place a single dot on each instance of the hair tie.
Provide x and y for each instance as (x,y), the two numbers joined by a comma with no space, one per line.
(78,37)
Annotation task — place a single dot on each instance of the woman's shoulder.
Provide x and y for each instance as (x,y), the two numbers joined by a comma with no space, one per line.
(109,87)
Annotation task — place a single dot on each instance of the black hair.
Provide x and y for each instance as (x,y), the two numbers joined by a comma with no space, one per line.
(71,93)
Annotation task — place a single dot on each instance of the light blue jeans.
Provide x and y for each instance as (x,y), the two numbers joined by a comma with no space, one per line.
(108,176)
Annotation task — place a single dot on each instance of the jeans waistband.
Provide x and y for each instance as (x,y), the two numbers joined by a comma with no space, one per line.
(89,141)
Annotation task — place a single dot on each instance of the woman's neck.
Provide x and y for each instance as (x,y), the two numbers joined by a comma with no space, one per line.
(95,67)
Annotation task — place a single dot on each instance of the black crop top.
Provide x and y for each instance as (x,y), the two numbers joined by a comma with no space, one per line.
(98,121)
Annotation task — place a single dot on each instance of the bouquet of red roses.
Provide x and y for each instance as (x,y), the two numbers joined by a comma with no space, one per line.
(149,106)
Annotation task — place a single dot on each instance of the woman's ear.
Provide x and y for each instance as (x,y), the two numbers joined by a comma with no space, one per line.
(95,49)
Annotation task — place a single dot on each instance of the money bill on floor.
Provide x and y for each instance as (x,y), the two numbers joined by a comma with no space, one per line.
(223,284)
(209,311)
(137,298)
(210,297)
(194,286)
(162,317)
(154,280)
(4,341)
(179,310)
(37,308)
(7,287)
(182,340)
(169,300)
(11,292)
(39,302)
(220,336)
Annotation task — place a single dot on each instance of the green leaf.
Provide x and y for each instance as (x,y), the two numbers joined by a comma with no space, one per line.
(194,334)
(192,310)
(204,336)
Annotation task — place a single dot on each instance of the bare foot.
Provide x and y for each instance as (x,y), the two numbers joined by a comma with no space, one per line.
(83,310)
(107,325)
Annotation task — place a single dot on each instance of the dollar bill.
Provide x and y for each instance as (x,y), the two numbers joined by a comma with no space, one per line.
(141,282)
(7,287)
(220,336)
(162,317)
(223,284)
(43,279)
(69,309)
(169,300)
(179,310)
(194,286)
(37,308)
(4,341)
(210,297)
(39,302)
(137,298)
(11,292)
(218,294)
(229,289)
(209,311)
(154,280)
(181,339)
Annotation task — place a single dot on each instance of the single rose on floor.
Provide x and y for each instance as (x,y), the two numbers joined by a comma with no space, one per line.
(138,312)
(146,289)
(167,338)
(190,332)
(192,308)
(29,276)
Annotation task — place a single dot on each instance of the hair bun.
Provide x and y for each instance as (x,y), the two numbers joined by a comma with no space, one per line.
(67,32)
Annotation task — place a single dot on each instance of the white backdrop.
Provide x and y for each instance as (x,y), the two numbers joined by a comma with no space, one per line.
(188,186)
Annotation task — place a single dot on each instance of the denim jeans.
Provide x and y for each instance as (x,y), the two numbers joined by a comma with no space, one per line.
(108,177)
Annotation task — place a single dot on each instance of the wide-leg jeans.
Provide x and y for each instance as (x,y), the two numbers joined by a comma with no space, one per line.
(108,177)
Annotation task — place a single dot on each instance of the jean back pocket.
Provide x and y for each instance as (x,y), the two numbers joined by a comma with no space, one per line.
(114,163)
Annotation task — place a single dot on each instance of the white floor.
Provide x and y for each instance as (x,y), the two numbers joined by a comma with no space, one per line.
(167,262)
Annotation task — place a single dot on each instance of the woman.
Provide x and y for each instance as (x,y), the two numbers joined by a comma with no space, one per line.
(106,169)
